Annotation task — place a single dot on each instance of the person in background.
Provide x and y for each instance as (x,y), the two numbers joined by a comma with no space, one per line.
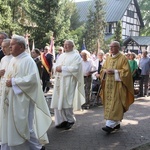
(96,76)
(128,55)
(107,55)
(117,92)
(88,68)
(93,56)
(138,57)
(68,93)
(35,53)
(60,51)
(25,116)
(99,63)
(47,62)
(3,36)
(144,64)
(133,65)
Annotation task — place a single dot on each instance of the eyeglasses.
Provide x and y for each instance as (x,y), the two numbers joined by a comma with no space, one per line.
(112,46)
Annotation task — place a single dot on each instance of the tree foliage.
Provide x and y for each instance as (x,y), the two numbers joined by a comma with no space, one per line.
(42,19)
(95,26)
(118,33)
(5,16)
(51,18)
(144,7)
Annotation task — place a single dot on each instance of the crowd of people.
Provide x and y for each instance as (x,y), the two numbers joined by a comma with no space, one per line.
(24,78)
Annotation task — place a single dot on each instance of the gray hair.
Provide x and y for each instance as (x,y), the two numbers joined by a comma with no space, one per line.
(133,54)
(87,53)
(117,43)
(7,41)
(20,40)
(71,42)
(4,35)
(101,52)
(61,48)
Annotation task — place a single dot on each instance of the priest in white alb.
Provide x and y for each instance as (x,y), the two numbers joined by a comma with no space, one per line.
(68,93)
(25,114)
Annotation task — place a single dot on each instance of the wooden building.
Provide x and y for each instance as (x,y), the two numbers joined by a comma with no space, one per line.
(128,12)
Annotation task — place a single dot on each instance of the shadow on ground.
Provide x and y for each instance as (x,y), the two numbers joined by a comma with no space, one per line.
(143,147)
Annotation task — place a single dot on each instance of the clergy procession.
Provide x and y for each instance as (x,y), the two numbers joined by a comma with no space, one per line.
(82,80)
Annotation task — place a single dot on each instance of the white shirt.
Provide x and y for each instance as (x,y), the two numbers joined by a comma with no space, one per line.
(88,66)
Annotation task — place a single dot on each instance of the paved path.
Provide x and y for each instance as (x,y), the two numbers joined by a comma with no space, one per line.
(87,134)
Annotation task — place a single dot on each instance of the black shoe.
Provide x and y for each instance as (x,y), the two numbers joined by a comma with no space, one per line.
(117,127)
(108,129)
(86,106)
(140,95)
(43,148)
(62,125)
(69,125)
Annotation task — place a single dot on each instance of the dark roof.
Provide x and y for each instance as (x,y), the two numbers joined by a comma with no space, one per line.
(114,9)
(83,8)
(140,40)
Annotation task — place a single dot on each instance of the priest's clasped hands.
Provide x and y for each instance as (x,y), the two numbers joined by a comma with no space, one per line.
(58,69)
(2,72)
(8,83)
(109,71)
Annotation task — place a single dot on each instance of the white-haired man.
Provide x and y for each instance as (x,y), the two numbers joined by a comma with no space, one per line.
(4,65)
(25,114)
(4,62)
(144,64)
(88,68)
(117,92)
(68,91)
(3,36)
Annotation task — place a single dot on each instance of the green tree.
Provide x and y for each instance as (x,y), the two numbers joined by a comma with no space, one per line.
(76,27)
(42,20)
(118,33)
(95,26)
(5,16)
(51,18)
(75,18)
(16,7)
(144,7)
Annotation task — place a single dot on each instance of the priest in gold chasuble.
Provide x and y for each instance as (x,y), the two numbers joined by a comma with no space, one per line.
(117,91)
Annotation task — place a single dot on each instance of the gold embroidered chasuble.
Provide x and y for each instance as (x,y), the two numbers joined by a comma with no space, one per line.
(117,96)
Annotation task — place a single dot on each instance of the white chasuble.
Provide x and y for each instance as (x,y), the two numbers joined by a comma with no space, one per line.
(24,72)
(69,84)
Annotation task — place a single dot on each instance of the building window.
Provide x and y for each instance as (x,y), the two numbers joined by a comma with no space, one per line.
(109,28)
(130,13)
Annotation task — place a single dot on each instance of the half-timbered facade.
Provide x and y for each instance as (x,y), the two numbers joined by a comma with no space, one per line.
(128,12)
(125,10)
